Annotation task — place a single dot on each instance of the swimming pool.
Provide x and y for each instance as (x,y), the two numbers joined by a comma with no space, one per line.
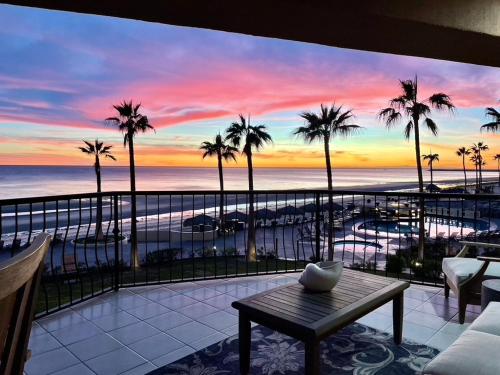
(409,227)
(353,245)
(388,226)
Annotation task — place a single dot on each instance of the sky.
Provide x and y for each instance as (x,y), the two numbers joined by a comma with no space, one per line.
(61,73)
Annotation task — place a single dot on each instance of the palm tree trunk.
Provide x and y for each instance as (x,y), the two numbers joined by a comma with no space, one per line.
(480,171)
(498,170)
(421,201)
(465,172)
(251,246)
(134,253)
(477,176)
(221,182)
(432,177)
(330,199)
(98,218)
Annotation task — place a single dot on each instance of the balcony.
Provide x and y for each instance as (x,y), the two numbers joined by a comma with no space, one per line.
(104,308)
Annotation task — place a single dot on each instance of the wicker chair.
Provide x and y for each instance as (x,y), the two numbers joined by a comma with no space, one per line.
(464,275)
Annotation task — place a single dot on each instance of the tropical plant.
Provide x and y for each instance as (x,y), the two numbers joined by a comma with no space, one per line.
(131,122)
(477,148)
(324,127)
(463,152)
(97,150)
(417,112)
(250,137)
(431,158)
(494,124)
(497,158)
(224,152)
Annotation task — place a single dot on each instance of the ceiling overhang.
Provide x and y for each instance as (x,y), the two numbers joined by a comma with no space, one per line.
(457,30)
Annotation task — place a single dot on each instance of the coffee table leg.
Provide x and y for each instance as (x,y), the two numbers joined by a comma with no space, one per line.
(312,360)
(244,342)
(397,317)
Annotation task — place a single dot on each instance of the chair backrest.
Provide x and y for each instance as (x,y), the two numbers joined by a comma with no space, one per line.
(19,280)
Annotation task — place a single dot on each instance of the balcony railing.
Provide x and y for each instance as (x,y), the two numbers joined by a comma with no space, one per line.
(183,236)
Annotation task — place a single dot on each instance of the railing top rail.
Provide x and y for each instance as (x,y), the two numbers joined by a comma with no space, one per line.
(366,192)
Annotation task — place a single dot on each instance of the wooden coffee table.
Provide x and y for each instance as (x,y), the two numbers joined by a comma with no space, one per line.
(312,317)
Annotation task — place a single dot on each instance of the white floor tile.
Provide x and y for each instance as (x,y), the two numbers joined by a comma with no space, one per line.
(156,346)
(94,346)
(115,362)
(52,361)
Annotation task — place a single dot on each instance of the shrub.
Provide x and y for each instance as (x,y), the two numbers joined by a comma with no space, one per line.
(161,256)
(395,264)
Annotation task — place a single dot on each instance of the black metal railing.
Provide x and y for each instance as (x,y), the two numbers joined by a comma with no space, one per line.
(183,235)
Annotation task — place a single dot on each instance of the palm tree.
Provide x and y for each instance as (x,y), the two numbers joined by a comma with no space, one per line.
(324,127)
(431,159)
(131,122)
(475,159)
(224,152)
(477,148)
(497,158)
(493,125)
(96,150)
(250,137)
(416,112)
(463,152)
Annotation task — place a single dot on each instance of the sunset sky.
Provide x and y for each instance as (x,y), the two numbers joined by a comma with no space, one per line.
(60,74)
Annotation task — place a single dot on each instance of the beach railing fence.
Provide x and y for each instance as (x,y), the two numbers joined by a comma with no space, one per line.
(183,236)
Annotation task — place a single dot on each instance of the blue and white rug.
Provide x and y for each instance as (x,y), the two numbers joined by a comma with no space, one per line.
(356,349)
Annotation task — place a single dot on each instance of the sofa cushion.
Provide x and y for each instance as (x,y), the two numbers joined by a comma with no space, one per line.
(473,352)
(458,270)
(489,320)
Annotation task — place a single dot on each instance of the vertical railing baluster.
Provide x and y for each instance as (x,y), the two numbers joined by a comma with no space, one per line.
(116,234)
(317,229)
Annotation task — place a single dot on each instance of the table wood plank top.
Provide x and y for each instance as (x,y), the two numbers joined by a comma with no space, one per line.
(306,313)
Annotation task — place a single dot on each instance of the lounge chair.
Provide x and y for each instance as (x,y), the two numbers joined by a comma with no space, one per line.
(464,275)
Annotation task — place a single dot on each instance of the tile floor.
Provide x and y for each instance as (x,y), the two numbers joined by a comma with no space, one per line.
(138,329)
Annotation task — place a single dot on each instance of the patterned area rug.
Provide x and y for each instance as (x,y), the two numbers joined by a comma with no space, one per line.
(356,349)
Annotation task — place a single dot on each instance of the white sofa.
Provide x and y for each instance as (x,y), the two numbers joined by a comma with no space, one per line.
(476,351)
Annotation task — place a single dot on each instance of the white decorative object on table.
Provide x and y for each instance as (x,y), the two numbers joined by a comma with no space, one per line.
(321,276)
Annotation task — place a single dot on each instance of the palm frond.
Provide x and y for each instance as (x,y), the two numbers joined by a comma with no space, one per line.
(390,116)
(408,129)
(431,125)
(441,101)
(491,126)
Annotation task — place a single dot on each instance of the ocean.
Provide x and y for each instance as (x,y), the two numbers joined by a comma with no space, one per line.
(29,181)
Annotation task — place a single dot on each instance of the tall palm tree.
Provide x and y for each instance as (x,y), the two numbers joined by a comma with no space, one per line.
(497,158)
(417,113)
(251,137)
(224,152)
(463,152)
(431,158)
(494,124)
(477,148)
(324,127)
(96,150)
(131,122)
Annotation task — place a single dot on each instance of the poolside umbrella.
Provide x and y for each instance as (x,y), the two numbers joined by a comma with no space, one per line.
(432,188)
(236,215)
(201,219)
(265,213)
(310,207)
(334,207)
(289,211)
